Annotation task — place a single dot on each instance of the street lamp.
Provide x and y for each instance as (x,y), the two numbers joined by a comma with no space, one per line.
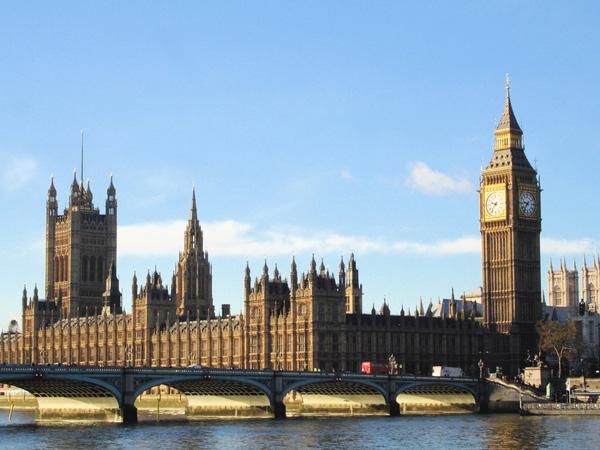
(393,365)
(42,355)
(129,355)
(480,364)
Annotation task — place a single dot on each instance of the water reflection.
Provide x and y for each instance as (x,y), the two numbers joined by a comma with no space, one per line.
(439,432)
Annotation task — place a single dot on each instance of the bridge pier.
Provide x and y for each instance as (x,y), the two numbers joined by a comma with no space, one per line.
(279,410)
(128,409)
(392,402)
(129,414)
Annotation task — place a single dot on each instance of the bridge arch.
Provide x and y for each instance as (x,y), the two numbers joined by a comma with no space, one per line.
(179,379)
(418,384)
(69,396)
(435,396)
(308,382)
(28,382)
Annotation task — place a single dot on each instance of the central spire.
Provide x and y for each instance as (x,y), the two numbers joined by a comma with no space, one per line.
(194,211)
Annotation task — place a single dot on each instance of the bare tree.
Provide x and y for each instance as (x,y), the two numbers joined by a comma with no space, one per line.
(558,338)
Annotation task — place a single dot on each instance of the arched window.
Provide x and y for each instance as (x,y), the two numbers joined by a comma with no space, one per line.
(84,268)
(100,276)
(92,268)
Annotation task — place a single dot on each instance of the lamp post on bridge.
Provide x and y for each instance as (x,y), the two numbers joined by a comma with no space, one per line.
(393,365)
(481,365)
(129,355)
(42,355)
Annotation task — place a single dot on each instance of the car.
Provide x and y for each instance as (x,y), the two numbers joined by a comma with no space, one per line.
(194,366)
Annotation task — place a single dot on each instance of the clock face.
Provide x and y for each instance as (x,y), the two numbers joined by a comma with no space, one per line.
(527,203)
(495,203)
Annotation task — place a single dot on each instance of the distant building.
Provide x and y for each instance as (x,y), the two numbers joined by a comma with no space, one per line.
(564,287)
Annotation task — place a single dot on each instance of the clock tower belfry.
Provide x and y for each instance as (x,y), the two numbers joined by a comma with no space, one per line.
(510,221)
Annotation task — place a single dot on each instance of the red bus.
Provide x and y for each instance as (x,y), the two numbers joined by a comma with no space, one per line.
(373,368)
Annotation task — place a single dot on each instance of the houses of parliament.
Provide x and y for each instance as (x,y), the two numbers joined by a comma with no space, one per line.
(307,320)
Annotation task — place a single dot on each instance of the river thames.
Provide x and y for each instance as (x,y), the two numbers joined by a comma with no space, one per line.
(443,431)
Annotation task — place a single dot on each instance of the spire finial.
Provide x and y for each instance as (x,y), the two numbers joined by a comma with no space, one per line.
(81,174)
(507,81)
(194,212)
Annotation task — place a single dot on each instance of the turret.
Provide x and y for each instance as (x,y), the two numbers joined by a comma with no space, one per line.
(342,274)
(111,199)
(174,287)
(294,275)
(134,287)
(74,197)
(52,203)
(24,298)
(112,294)
(247,280)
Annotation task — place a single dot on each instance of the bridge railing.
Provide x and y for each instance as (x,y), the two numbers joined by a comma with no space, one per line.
(225,372)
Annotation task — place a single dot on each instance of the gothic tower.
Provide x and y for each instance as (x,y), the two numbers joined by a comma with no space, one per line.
(80,245)
(510,220)
(193,290)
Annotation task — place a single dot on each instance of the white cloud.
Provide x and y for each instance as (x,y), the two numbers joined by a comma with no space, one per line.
(346,175)
(17,171)
(232,238)
(431,182)
(563,246)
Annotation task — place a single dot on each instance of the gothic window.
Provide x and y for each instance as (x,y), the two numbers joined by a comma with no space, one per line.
(84,268)
(335,343)
(92,268)
(301,343)
(302,310)
(100,276)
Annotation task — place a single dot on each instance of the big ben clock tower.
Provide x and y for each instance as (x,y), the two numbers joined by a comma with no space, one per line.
(510,219)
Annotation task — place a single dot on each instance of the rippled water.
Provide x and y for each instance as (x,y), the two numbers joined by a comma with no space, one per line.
(451,432)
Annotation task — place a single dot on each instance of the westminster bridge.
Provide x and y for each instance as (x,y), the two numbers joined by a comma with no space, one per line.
(61,391)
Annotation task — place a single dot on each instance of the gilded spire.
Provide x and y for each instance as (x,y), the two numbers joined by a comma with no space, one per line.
(508,132)
(508,120)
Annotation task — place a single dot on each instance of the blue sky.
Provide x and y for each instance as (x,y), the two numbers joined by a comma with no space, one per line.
(324,127)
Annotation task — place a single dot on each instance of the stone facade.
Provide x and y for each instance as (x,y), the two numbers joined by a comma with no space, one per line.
(313,321)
